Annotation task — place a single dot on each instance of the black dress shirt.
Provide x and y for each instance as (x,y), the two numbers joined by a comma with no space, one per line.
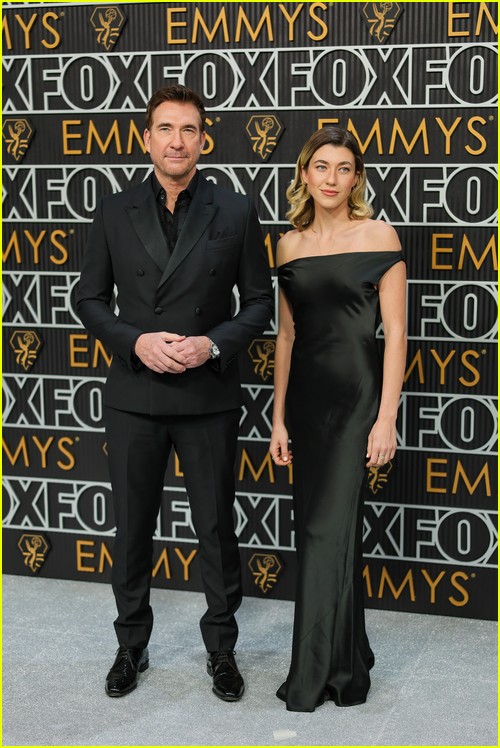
(172,223)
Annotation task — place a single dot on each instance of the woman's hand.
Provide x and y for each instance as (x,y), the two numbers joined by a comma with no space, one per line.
(278,447)
(381,443)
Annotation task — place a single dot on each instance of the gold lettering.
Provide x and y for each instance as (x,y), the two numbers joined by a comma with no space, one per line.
(319,21)
(374,131)
(448,132)
(451,17)
(66,440)
(101,352)
(291,19)
(490,247)
(254,33)
(465,599)
(484,11)
(26,28)
(431,473)
(81,554)
(432,583)
(460,473)
(6,32)
(470,367)
(200,21)
(163,559)
(478,135)
(269,247)
(209,141)
(22,448)
(177,467)
(51,29)
(134,134)
(112,136)
(64,252)
(104,555)
(186,561)
(74,350)
(442,364)
(437,249)
(171,24)
(417,361)
(397,130)
(266,463)
(408,580)
(368,581)
(67,135)
(93,134)
(12,245)
(43,448)
(35,243)
(325,121)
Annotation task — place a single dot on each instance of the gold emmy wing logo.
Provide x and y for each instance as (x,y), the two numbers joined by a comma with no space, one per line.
(381,19)
(26,345)
(377,477)
(108,24)
(262,354)
(265,568)
(34,549)
(17,134)
(264,131)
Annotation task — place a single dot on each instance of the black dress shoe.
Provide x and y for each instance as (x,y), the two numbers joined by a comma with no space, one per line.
(228,684)
(124,675)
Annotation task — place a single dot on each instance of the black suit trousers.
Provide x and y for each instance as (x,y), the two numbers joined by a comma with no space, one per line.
(138,449)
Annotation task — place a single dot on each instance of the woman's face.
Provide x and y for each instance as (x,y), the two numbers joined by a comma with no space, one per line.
(331,175)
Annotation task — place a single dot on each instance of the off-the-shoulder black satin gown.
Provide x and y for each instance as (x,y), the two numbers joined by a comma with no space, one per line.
(331,405)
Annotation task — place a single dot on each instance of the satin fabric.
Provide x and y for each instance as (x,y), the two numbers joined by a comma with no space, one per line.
(331,405)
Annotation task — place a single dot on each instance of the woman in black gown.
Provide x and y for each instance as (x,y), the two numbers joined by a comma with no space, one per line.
(337,269)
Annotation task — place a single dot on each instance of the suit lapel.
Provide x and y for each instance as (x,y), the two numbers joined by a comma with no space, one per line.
(200,213)
(144,217)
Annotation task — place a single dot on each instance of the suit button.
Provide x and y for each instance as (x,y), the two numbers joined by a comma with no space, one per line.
(212,271)
(197,311)
(158,310)
(139,271)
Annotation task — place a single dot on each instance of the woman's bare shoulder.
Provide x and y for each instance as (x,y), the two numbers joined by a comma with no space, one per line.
(287,246)
(381,236)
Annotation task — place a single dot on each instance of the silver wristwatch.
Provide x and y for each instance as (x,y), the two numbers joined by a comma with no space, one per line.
(213,351)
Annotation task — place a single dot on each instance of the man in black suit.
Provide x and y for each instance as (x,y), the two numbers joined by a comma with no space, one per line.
(174,246)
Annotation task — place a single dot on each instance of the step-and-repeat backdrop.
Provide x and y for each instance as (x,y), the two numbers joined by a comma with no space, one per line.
(416,83)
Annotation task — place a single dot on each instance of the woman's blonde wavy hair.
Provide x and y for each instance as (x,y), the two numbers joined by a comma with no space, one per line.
(301,213)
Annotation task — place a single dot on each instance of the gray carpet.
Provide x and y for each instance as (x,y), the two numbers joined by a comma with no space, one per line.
(434,681)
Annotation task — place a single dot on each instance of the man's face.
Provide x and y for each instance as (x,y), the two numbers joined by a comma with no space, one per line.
(174,140)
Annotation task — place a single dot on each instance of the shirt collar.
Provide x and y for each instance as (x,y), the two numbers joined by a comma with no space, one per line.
(190,189)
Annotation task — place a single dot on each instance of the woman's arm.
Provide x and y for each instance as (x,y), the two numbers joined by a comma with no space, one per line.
(392,294)
(278,447)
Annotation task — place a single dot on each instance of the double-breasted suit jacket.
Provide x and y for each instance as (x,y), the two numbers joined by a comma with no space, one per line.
(190,293)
